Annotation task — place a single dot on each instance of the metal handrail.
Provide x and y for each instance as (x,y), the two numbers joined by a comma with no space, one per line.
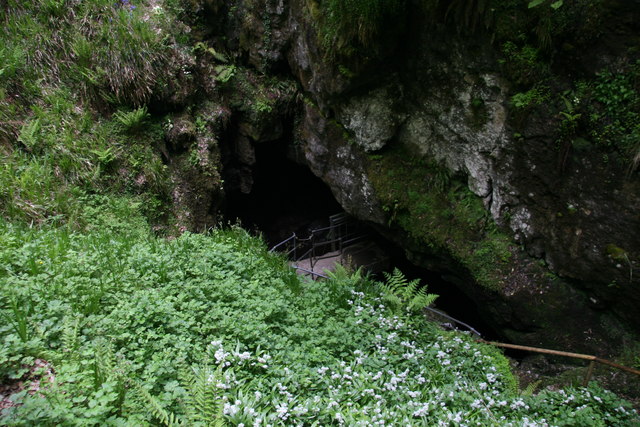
(313,273)
(337,235)
(443,314)
(344,237)
(293,237)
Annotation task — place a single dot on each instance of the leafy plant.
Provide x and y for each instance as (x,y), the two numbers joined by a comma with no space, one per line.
(18,318)
(531,98)
(555,4)
(403,294)
(523,64)
(204,403)
(165,417)
(345,24)
(225,73)
(170,341)
(132,121)
(29,134)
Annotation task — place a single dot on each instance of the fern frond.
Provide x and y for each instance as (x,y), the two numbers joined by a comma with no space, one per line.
(70,341)
(422,299)
(410,289)
(132,121)
(394,281)
(400,293)
(165,417)
(203,403)
(531,388)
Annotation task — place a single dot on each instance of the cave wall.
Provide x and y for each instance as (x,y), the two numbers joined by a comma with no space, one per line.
(422,139)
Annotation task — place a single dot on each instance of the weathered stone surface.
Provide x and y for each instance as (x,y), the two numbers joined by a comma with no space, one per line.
(245,153)
(454,109)
(194,166)
(440,96)
(181,133)
(371,118)
(339,164)
(260,29)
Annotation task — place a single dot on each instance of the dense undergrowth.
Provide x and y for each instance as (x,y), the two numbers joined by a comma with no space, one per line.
(130,329)
(112,325)
(74,81)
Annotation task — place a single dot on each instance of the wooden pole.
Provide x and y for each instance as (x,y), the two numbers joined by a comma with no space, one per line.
(615,365)
(587,377)
(591,358)
(541,350)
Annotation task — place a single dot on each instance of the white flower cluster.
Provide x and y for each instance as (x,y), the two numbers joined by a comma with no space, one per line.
(226,358)
(397,380)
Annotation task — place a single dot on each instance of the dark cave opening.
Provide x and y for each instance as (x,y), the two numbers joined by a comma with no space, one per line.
(451,299)
(286,197)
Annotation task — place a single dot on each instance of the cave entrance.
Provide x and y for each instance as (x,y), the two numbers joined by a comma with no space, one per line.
(285,197)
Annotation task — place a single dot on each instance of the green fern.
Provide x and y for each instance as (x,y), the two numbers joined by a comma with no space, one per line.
(165,417)
(107,369)
(530,389)
(402,294)
(132,121)
(70,340)
(203,404)
(29,134)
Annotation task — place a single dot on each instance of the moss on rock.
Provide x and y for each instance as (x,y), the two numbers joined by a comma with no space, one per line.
(438,210)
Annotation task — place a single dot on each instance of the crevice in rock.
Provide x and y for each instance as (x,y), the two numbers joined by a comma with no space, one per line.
(450,298)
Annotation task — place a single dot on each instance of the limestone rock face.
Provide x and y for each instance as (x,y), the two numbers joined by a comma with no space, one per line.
(449,103)
(339,164)
(569,272)
(194,165)
(181,133)
(371,118)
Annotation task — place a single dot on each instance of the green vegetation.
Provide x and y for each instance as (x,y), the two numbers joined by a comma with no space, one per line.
(105,323)
(600,111)
(555,4)
(603,113)
(66,153)
(132,121)
(400,294)
(610,111)
(349,26)
(439,210)
(75,78)
(106,50)
(129,329)
(531,98)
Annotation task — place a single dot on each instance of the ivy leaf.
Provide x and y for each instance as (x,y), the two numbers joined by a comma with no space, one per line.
(557,4)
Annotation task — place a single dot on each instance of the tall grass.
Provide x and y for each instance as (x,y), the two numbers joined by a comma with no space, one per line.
(62,62)
(104,48)
(345,24)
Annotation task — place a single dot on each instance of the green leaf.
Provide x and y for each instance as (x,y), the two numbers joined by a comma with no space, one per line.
(534,3)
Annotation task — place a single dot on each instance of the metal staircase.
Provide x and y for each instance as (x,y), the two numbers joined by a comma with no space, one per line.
(343,232)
